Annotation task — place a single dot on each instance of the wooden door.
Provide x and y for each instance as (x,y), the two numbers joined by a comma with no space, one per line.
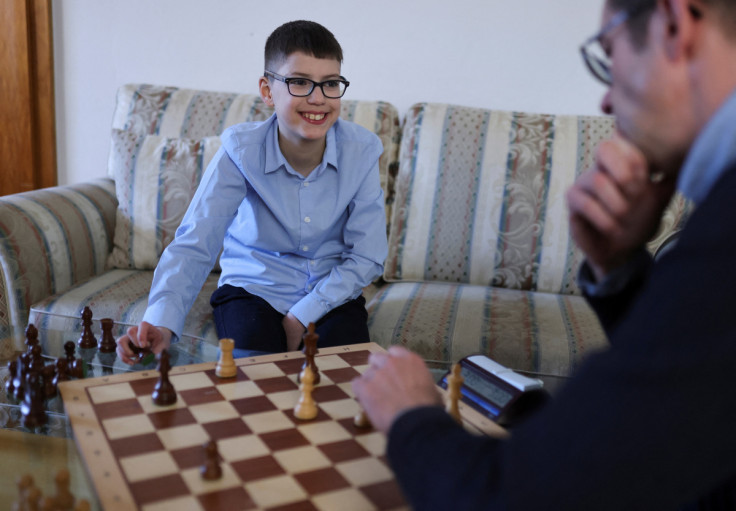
(27,120)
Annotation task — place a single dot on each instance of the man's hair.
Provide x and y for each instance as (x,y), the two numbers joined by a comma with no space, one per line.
(305,36)
(725,12)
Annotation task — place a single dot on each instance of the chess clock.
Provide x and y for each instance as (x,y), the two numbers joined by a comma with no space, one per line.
(496,391)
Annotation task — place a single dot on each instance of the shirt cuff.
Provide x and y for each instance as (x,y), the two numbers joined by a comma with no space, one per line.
(615,281)
(158,316)
(310,308)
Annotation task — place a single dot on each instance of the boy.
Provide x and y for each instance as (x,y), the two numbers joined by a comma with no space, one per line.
(295,204)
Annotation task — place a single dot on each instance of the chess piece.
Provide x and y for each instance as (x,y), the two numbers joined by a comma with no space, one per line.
(226,367)
(61,372)
(19,387)
(107,341)
(306,408)
(87,339)
(69,349)
(361,420)
(24,483)
(164,393)
(36,359)
(144,356)
(33,406)
(211,469)
(77,369)
(31,337)
(310,339)
(63,499)
(9,385)
(454,382)
(33,499)
(49,389)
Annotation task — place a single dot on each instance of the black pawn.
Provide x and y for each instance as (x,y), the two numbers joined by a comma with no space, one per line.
(107,341)
(31,337)
(69,349)
(211,469)
(87,339)
(164,393)
(61,372)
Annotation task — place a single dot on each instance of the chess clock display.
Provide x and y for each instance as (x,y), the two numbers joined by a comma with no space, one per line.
(499,393)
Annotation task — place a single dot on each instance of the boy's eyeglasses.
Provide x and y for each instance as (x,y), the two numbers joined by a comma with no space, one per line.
(594,56)
(302,87)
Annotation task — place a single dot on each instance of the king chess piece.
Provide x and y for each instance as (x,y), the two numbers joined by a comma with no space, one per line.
(87,339)
(164,393)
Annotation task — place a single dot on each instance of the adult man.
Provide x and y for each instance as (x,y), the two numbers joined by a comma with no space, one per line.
(649,423)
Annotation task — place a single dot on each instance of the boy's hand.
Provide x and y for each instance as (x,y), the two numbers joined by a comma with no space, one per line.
(615,207)
(294,331)
(394,383)
(145,335)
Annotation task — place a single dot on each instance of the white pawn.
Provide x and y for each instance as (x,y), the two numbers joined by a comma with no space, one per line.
(306,408)
(226,367)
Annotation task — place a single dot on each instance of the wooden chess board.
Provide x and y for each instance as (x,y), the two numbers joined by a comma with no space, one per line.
(142,456)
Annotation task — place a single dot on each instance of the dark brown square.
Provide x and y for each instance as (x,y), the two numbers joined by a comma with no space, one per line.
(325,393)
(144,387)
(216,380)
(346,374)
(257,468)
(119,408)
(290,366)
(189,457)
(277,384)
(233,498)
(302,505)
(322,480)
(284,439)
(200,396)
(321,416)
(344,450)
(157,489)
(249,405)
(385,495)
(132,446)
(356,358)
(172,418)
(349,424)
(226,429)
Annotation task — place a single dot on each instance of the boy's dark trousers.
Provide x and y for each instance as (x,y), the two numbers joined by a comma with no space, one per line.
(257,328)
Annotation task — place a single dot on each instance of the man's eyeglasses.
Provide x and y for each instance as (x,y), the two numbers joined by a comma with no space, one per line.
(594,56)
(302,87)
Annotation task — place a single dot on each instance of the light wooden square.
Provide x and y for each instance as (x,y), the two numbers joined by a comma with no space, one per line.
(183,436)
(114,392)
(148,466)
(121,427)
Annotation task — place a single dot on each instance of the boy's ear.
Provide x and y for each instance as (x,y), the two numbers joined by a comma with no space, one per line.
(681,27)
(265,90)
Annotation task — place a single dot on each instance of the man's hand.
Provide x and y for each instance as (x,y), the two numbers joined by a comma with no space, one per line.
(145,335)
(394,382)
(615,207)
(294,331)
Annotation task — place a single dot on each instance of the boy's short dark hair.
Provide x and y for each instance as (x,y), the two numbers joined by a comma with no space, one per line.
(305,36)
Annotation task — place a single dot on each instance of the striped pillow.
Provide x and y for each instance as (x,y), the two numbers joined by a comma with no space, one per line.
(155,180)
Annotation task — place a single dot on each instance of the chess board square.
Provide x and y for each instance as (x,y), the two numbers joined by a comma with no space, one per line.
(197,485)
(323,432)
(323,394)
(130,446)
(257,468)
(183,436)
(277,384)
(291,366)
(261,371)
(321,480)
(190,381)
(343,409)
(343,450)
(185,503)
(241,389)
(385,495)
(110,410)
(146,402)
(242,448)
(200,395)
(148,466)
(321,417)
(172,418)
(349,424)
(301,505)
(276,491)
(342,375)
(284,400)
(348,498)
(364,471)
(239,377)
(267,421)
(251,405)
(232,498)
(213,412)
(355,358)
(188,457)
(328,362)
(132,425)
(283,439)
(159,489)
(302,459)
(374,442)
(106,393)
(145,386)
(226,429)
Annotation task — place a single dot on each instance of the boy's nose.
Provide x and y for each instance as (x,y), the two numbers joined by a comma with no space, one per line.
(317,96)
(606,105)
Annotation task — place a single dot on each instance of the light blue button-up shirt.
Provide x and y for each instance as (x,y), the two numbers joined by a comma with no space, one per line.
(305,245)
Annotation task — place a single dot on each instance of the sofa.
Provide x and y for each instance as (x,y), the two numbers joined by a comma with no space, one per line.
(480,258)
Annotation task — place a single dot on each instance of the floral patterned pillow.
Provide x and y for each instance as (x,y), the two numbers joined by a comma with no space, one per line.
(155,180)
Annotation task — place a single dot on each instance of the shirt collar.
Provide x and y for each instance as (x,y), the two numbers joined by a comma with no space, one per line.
(275,158)
(713,152)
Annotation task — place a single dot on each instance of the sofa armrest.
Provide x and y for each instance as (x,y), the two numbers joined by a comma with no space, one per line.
(50,239)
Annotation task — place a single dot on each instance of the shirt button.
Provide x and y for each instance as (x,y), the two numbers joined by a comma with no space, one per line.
(306,183)
(305,248)
(307,219)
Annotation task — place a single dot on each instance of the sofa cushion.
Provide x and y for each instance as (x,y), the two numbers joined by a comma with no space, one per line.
(528,331)
(155,180)
(480,197)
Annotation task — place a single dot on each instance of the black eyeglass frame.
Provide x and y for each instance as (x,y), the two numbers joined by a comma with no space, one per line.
(287,80)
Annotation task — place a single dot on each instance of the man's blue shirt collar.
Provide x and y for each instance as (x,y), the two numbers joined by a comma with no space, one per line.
(275,158)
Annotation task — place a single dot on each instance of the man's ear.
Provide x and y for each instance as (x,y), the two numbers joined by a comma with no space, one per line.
(681,26)
(265,89)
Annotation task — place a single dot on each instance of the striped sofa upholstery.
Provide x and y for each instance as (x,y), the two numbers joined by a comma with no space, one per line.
(56,244)
(480,257)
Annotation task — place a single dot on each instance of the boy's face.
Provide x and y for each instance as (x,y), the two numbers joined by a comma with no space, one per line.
(302,119)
